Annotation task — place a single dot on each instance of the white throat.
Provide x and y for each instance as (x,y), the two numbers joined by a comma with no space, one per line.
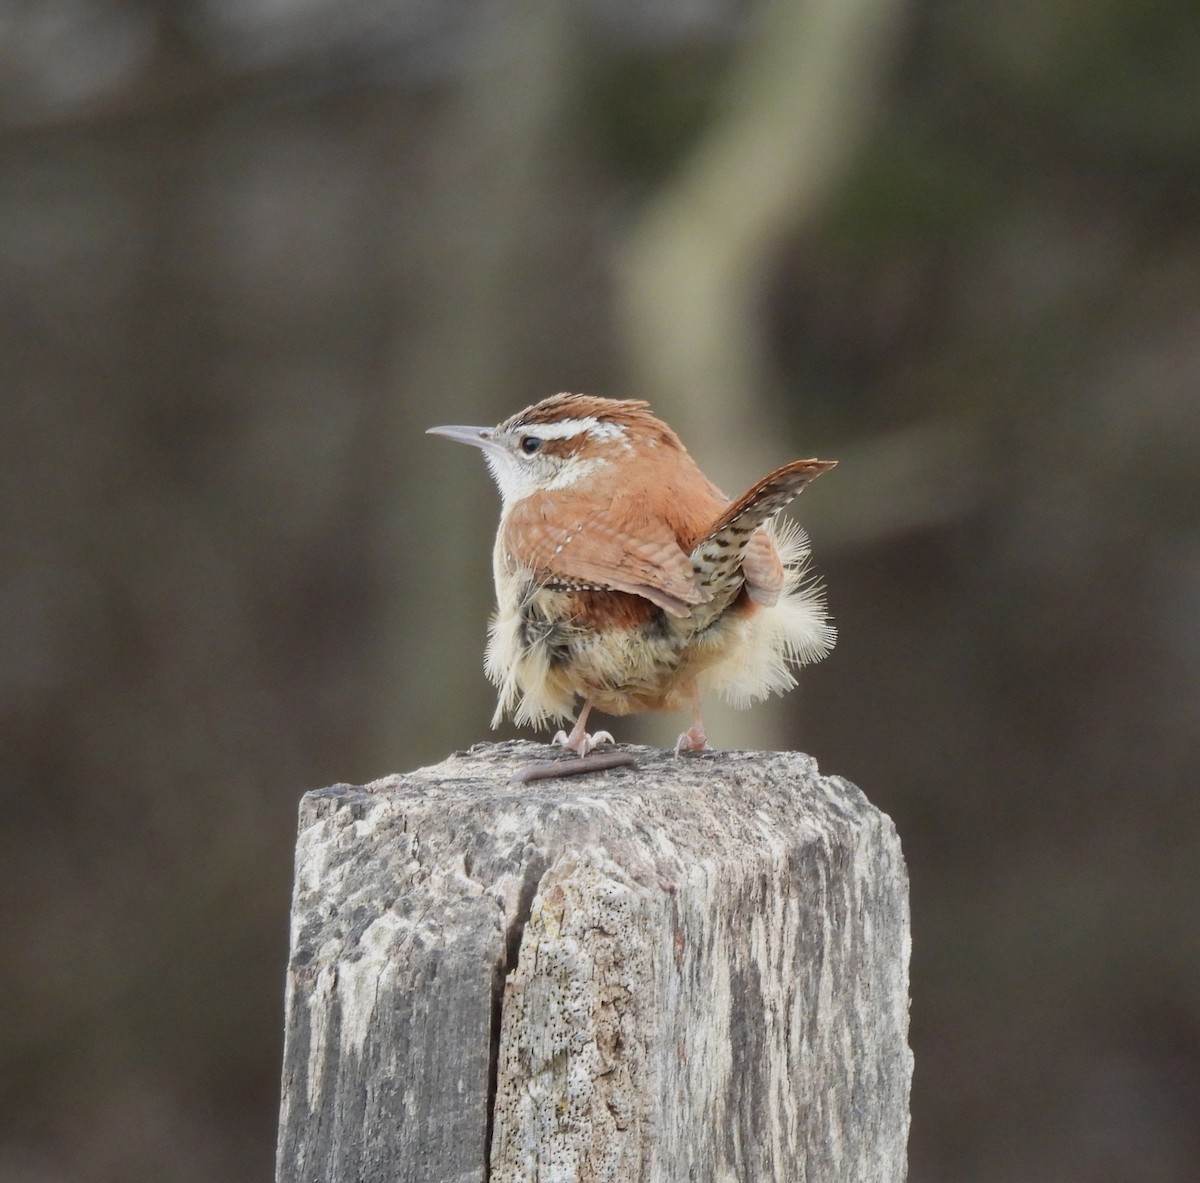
(517,481)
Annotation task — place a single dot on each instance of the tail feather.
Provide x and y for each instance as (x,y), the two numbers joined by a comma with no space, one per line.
(718,557)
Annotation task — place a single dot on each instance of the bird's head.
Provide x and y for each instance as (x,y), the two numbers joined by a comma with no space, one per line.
(562,441)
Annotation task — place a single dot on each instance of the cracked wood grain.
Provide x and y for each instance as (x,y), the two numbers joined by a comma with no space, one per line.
(687,969)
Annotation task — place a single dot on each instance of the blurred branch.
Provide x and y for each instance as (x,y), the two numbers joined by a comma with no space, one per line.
(797,105)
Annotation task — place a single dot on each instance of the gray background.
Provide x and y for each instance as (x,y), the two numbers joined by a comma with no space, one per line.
(250,250)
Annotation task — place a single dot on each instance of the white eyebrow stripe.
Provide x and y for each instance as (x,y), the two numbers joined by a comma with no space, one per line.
(566,429)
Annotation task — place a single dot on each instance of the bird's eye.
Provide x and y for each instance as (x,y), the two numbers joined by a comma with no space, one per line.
(530,444)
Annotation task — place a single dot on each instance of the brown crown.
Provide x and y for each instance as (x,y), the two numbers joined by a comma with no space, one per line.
(631,413)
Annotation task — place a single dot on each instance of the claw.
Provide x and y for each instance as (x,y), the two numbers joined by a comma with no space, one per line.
(583,743)
(579,740)
(694,738)
(689,741)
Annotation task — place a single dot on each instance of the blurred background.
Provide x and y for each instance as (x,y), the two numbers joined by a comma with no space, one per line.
(251,249)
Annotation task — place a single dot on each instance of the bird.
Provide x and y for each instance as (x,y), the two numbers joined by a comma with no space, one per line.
(627,582)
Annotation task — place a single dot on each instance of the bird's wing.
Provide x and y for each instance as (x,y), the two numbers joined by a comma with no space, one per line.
(579,547)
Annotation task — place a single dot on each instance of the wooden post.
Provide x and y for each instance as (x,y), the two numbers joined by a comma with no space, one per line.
(694,969)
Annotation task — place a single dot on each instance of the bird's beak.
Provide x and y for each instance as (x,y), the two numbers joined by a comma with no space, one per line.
(480,437)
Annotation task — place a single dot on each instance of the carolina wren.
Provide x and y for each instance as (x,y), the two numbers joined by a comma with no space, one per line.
(625,578)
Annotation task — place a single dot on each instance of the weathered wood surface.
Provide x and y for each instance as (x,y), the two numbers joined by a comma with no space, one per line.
(693,970)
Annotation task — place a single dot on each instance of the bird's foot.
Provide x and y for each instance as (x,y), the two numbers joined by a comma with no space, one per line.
(693,740)
(580,742)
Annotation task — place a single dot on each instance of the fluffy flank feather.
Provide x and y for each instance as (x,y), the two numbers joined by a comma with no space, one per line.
(510,666)
(793,632)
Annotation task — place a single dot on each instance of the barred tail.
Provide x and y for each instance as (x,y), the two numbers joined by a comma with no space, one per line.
(718,557)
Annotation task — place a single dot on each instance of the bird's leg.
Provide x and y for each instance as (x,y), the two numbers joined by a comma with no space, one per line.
(579,740)
(694,738)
